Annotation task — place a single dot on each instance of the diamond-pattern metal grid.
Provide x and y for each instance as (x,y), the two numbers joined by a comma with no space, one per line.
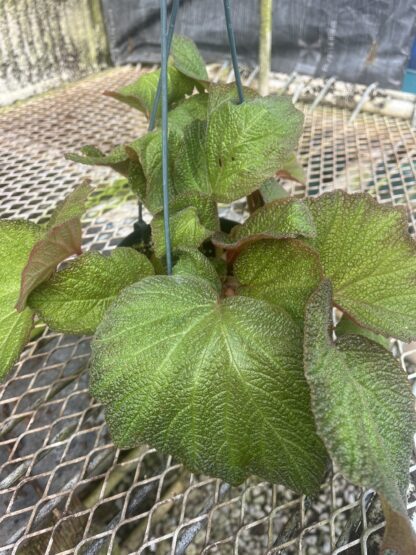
(64,488)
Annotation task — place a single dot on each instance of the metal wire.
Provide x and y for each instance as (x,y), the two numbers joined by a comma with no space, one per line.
(172,22)
(165,146)
(367,93)
(153,114)
(233,49)
(162,90)
(64,488)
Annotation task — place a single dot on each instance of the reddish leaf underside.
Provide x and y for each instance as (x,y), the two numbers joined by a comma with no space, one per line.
(59,243)
(399,536)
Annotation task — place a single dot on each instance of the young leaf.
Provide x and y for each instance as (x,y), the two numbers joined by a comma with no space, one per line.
(17,238)
(73,206)
(56,245)
(283,273)
(75,299)
(187,59)
(218,385)
(247,143)
(142,92)
(186,230)
(117,159)
(347,327)
(363,405)
(194,218)
(192,262)
(368,254)
(206,207)
(280,219)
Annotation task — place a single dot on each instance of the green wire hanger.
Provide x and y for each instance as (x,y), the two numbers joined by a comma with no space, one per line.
(166,35)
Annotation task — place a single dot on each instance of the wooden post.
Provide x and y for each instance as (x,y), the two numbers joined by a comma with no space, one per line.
(265,45)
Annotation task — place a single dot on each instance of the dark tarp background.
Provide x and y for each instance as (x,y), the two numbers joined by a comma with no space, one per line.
(359,41)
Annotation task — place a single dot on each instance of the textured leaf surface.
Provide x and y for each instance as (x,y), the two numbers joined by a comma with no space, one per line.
(189,110)
(347,327)
(137,179)
(247,143)
(75,299)
(218,385)
(148,151)
(73,206)
(281,219)
(368,254)
(187,58)
(187,162)
(117,159)
(241,147)
(363,406)
(142,92)
(206,207)
(186,230)
(54,247)
(17,238)
(190,166)
(192,262)
(193,218)
(221,93)
(283,273)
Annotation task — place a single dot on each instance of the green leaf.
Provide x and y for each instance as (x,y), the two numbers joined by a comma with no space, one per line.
(148,151)
(187,163)
(280,219)
(272,190)
(218,385)
(363,405)
(117,159)
(192,262)
(75,299)
(142,92)
(187,58)
(368,254)
(190,167)
(187,111)
(222,93)
(186,230)
(247,143)
(137,179)
(193,218)
(17,238)
(58,243)
(283,273)
(347,327)
(73,206)
(292,169)
(206,207)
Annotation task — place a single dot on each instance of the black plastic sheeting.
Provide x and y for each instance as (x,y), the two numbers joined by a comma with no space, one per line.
(360,41)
